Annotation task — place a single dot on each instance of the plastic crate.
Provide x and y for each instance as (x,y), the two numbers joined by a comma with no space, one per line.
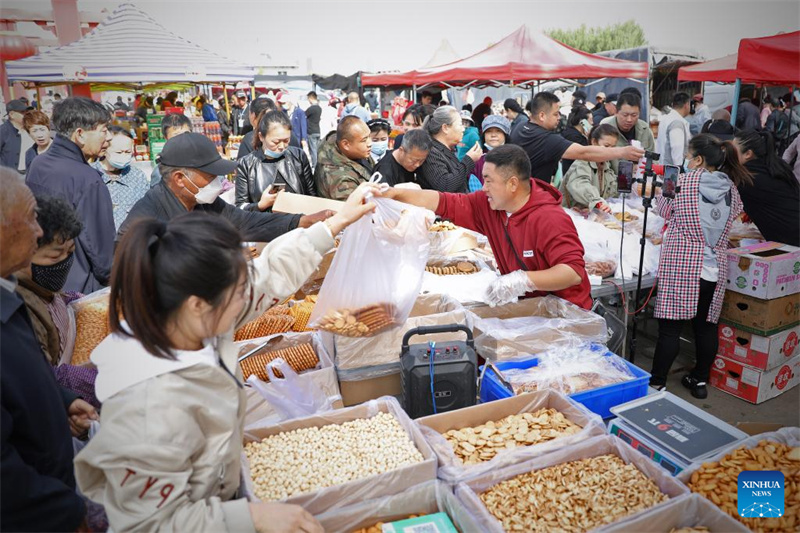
(599,400)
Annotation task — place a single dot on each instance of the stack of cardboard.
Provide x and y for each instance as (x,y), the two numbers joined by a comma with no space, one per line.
(758,356)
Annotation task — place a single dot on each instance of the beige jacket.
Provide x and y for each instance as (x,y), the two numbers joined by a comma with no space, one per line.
(167,456)
(642,133)
(584,186)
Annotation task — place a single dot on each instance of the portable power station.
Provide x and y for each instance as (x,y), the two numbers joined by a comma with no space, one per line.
(438,377)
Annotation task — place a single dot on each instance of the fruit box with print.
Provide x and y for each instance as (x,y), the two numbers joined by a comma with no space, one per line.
(751,384)
(766,270)
(761,352)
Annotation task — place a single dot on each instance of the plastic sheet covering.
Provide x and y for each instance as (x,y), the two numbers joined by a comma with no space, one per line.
(532,326)
(290,396)
(426,498)
(369,357)
(380,261)
(453,471)
(468,492)
(568,369)
(789,436)
(340,496)
(686,511)
(261,413)
(467,289)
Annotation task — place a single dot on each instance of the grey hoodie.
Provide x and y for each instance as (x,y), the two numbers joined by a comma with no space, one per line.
(715,209)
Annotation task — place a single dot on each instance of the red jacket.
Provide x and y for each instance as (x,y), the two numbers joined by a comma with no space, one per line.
(543,235)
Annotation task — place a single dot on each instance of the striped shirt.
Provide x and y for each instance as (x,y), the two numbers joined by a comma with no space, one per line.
(443,172)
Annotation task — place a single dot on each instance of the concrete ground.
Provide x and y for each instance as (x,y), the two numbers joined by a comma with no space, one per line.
(783,409)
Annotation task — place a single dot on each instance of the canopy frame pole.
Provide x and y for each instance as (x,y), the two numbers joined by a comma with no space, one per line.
(737,89)
(414,93)
(790,112)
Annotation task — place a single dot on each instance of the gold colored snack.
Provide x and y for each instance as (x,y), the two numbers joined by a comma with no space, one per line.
(625,217)
(91,327)
(301,357)
(442,226)
(571,497)
(601,268)
(362,322)
(264,326)
(452,268)
(718,482)
(526,429)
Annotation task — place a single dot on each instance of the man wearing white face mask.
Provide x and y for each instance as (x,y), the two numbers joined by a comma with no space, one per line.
(191,169)
(126,183)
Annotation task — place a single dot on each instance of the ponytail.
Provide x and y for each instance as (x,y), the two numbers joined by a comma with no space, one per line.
(762,145)
(158,266)
(445,114)
(721,155)
(733,167)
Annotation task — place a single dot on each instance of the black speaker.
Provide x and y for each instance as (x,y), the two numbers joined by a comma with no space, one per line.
(453,365)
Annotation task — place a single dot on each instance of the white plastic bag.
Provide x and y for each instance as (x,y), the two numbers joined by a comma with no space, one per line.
(290,397)
(376,273)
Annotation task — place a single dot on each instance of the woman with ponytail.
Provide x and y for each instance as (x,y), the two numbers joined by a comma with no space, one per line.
(772,200)
(693,267)
(167,456)
(442,171)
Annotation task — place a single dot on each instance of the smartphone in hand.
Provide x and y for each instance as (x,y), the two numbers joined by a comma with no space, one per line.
(670,181)
(275,188)
(625,176)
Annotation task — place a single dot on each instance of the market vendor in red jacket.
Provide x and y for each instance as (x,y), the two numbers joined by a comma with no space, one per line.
(534,241)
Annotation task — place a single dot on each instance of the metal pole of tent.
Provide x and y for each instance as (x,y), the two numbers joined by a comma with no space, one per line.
(227,104)
(735,108)
(414,93)
(791,99)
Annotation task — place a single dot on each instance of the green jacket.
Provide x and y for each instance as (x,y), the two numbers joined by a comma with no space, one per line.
(336,175)
(585,187)
(643,134)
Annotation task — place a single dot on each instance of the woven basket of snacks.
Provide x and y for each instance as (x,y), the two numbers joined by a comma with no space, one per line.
(301,357)
(264,326)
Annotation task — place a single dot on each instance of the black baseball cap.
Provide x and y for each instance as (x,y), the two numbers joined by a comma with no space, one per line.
(612,98)
(17,105)
(195,150)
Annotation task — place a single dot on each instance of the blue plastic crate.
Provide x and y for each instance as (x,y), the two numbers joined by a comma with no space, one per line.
(598,401)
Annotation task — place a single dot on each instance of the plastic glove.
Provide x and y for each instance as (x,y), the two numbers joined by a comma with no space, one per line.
(507,289)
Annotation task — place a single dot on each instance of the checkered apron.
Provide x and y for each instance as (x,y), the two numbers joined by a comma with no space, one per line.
(681,261)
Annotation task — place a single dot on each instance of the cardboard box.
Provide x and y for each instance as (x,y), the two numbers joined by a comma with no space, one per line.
(751,384)
(764,353)
(532,326)
(261,413)
(300,204)
(468,492)
(690,511)
(766,270)
(763,317)
(427,498)
(757,428)
(353,492)
(359,388)
(453,471)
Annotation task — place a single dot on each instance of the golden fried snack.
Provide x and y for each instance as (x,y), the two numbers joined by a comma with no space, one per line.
(91,324)
(362,322)
(264,326)
(301,357)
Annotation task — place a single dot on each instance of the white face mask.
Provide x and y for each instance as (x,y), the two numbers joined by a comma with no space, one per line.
(209,193)
(120,161)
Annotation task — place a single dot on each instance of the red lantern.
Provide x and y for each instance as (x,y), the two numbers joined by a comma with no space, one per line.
(14,46)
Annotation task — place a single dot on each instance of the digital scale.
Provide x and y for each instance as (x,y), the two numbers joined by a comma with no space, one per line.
(671,432)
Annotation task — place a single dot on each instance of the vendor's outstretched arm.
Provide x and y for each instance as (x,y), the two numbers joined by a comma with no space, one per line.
(601,153)
(420,198)
(555,278)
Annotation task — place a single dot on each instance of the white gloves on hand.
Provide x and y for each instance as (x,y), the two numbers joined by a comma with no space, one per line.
(508,288)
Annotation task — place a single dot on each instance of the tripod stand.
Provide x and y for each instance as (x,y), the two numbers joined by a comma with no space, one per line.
(649,176)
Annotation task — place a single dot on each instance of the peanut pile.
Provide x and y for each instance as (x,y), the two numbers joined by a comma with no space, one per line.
(718,482)
(482,443)
(575,496)
(309,459)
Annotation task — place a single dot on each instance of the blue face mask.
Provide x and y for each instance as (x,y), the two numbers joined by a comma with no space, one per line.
(271,154)
(379,148)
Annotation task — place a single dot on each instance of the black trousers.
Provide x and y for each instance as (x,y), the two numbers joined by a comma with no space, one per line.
(705,336)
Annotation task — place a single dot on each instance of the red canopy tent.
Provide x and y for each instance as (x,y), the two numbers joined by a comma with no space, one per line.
(722,70)
(520,58)
(771,60)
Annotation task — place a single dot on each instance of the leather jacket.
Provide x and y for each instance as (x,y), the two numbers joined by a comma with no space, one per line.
(254,176)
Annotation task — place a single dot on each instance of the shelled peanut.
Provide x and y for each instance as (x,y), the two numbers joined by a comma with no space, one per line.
(570,497)
(718,482)
(309,459)
(473,445)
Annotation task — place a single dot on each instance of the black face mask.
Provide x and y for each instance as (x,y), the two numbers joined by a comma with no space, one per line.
(52,277)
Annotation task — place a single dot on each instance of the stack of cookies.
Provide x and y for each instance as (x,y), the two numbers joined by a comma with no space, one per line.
(362,322)
(300,358)
(453,269)
(263,326)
